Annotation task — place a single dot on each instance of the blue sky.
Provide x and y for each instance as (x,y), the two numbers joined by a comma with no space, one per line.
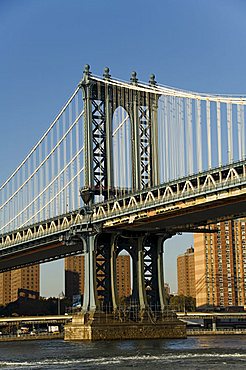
(193,44)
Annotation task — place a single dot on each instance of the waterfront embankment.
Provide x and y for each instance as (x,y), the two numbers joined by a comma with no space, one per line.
(26,337)
(200,332)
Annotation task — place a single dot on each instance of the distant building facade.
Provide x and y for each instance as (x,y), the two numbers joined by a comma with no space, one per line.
(123,270)
(220,265)
(5,288)
(14,283)
(74,276)
(186,273)
(167,289)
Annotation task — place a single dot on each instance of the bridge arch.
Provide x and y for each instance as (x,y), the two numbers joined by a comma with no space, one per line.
(122,149)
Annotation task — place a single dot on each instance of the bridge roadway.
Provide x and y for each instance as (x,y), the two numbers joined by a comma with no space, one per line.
(63,319)
(211,315)
(185,205)
(52,320)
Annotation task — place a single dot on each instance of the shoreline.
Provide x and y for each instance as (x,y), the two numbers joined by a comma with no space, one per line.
(28,337)
(190,333)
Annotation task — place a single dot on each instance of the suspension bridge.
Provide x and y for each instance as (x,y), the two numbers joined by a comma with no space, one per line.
(124,165)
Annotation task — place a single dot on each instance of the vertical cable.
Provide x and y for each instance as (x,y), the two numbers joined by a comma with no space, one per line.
(182,138)
(29,188)
(239,130)
(218,114)
(71,189)
(243,132)
(46,170)
(64,164)
(52,189)
(189,142)
(41,180)
(35,184)
(19,197)
(170,137)
(59,199)
(165,141)
(160,133)
(209,134)
(174,137)
(77,141)
(229,132)
(198,135)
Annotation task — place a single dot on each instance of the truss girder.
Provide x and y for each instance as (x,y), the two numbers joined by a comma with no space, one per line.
(162,198)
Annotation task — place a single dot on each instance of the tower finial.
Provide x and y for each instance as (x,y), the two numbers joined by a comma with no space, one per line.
(134,79)
(152,80)
(87,70)
(106,74)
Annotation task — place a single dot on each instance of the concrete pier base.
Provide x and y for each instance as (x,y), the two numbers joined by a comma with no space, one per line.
(102,327)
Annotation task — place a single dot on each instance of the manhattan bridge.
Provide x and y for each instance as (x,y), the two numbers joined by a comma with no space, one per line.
(124,166)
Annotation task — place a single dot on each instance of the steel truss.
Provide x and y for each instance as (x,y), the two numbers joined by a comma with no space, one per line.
(100,101)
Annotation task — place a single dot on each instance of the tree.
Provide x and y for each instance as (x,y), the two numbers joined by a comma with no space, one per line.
(182,303)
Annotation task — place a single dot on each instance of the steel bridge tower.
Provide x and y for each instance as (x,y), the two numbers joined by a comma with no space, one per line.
(101,99)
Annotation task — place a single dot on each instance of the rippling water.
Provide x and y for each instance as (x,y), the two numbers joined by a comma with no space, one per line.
(221,352)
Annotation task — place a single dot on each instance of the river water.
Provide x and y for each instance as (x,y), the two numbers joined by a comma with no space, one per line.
(218,352)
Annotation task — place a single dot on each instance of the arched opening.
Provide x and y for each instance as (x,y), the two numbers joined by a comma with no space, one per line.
(124,277)
(122,157)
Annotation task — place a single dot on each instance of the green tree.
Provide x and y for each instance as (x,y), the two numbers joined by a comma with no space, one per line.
(182,303)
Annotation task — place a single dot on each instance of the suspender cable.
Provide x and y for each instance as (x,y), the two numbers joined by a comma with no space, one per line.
(169,123)
(198,135)
(58,187)
(174,136)
(42,138)
(165,141)
(161,140)
(190,156)
(229,132)
(77,140)
(182,140)
(239,132)
(57,195)
(52,190)
(218,114)
(71,190)
(209,134)
(64,192)
(35,183)
(243,132)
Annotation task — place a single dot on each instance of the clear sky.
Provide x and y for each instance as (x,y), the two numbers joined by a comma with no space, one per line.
(192,44)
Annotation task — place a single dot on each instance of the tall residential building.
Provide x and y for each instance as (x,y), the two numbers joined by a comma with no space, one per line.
(186,273)
(5,288)
(74,276)
(15,283)
(220,265)
(123,270)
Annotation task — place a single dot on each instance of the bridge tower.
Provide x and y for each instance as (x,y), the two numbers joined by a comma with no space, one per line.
(101,99)
(101,248)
